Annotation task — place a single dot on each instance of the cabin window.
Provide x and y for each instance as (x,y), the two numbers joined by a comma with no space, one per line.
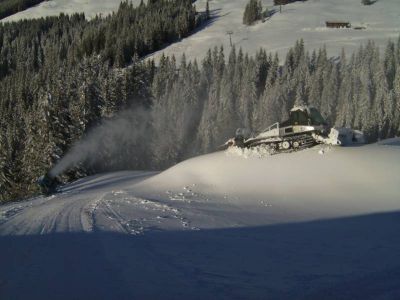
(289,130)
(299,118)
(316,117)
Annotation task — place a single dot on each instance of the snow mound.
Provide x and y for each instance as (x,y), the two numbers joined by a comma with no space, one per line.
(256,152)
(315,183)
(222,225)
(390,142)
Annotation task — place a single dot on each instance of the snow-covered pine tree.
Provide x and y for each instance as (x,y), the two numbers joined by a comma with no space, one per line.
(263,111)
(5,176)
(228,119)
(345,109)
(366,117)
(317,79)
(263,64)
(330,93)
(248,95)
(301,77)
(162,114)
(396,104)
(389,62)
(252,12)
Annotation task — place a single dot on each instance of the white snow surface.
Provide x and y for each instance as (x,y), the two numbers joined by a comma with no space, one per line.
(238,224)
(278,33)
(91,8)
(298,20)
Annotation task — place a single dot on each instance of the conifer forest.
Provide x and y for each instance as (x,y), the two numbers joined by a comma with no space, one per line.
(63,77)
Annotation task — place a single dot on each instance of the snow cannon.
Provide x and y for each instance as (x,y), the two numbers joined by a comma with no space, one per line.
(48,184)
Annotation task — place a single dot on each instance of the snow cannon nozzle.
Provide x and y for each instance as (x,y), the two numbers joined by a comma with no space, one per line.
(48,184)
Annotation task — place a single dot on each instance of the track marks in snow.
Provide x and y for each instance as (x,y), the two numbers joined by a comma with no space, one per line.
(265,203)
(187,194)
(118,211)
(121,212)
(88,213)
(9,211)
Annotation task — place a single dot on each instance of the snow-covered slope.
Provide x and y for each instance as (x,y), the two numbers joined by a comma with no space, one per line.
(54,7)
(319,223)
(277,34)
(311,184)
(298,20)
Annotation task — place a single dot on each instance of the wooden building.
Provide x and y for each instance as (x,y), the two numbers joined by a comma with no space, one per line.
(337,24)
(283,2)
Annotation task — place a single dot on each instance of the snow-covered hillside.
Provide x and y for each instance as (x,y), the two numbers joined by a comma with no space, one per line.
(54,7)
(318,223)
(278,33)
(303,186)
(304,20)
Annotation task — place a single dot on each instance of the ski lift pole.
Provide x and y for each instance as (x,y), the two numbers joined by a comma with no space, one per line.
(230,32)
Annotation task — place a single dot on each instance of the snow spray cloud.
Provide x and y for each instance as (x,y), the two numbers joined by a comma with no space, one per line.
(109,137)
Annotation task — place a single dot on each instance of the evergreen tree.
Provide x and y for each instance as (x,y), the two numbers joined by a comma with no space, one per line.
(396,98)
(5,176)
(227,113)
(330,94)
(208,10)
(248,95)
(58,85)
(252,12)
(390,63)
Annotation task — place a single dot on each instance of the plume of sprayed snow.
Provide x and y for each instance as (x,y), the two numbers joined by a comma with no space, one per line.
(109,137)
(254,152)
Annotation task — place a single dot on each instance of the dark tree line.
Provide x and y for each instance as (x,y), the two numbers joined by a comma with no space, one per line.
(60,75)
(115,39)
(361,91)
(10,7)
(52,93)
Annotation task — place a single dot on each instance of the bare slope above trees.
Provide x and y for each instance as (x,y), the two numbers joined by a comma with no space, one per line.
(10,7)
(90,8)
(301,19)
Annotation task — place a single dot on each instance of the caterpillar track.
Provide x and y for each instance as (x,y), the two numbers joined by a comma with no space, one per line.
(288,144)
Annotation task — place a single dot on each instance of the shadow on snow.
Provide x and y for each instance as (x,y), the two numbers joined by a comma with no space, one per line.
(345,258)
